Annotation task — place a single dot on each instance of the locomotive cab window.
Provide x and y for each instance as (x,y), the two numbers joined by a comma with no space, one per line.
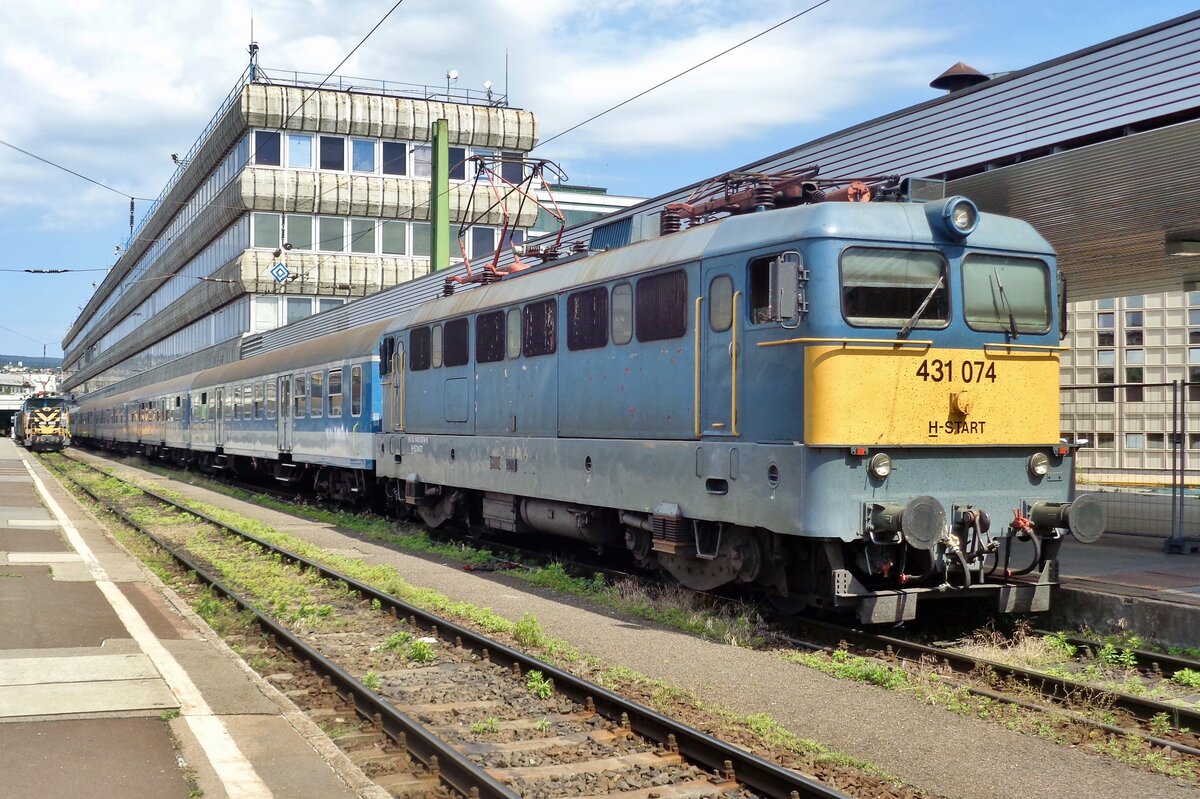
(513,334)
(435,346)
(418,349)
(1006,294)
(893,288)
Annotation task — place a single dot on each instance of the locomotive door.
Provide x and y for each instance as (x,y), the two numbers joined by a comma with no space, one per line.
(397,415)
(717,336)
(219,419)
(285,413)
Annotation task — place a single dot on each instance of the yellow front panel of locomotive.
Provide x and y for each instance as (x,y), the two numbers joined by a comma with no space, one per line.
(884,394)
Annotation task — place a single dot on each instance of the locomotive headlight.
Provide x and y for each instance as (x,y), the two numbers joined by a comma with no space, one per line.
(1039,464)
(881,465)
(959,217)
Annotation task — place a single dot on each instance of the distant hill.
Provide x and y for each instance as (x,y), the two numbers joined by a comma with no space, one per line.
(31,362)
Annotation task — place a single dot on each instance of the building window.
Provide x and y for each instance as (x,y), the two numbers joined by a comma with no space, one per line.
(266,230)
(300,232)
(362,155)
(458,342)
(1193,440)
(1106,304)
(587,319)
(1133,319)
(1135,301)
(298,308)
(513,335)
(335,393)
(329,303)
(483,241)
(1194,381)
(1105,441)
(418,349)
(1106,358)
(661,304)
(356,391)
(422,161)
(1106,338)
(539,328)
(299,150)
(333,153)
(395,158)
(362,235)
(266,147)
(489,337)
(1156,441)
(331,234)
(1105,375)
(1135,441)
(1134,374)
(394,237)
(420,239)
(458,163)
(512,168)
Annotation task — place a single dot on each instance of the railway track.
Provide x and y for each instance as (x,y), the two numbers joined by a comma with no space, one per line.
(1057,690)
(471,716)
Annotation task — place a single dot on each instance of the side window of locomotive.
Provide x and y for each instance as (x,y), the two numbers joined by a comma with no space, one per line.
(457,342)
(513,334)
(539,329)
(387,348)
(720,303)
(418,349)
(1001,293)
(887,288)
(661,307)
(435,346)
(622,313)
(489,337)
(587,319)
(316,392)
(335,393)
(356,391)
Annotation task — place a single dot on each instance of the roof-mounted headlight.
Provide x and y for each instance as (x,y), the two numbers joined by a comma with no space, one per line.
(959,217)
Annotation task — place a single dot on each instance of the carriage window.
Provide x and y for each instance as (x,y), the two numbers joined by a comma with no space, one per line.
(720,303)
(300,396)
(622,314)
(888,287)
(237,402)
(539,331)
(489,337)
(316,392)
(247,401)
(272,398)
(458,342)
(587,319)
(435,345)
(418,349)
(228,410)
(661,306)
(1006,294)
(514,334)
(335,393)
(258,400)
(356,391)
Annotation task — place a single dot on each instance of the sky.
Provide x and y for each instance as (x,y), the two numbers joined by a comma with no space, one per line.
(110,90)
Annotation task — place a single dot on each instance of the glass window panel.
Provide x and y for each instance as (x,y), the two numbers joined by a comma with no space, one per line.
(539,328)
(435,345)
(662,307)
(333,152)
(298,308)
(331,234)
(1156,441)
(335,392)
(266,147)
(1134,338)
(483,241)
(1106,375)
(1105,440)
(394,236)
(458,342)
(622,313)
(1194,317)
(514,334)
(587,319)
(300,397)
(1133,319)
(362,235)
(1106,358)
(1105,338)
(1002,293)
(720,303)
(418,349)
(489,337)
(458,163)
(886,287)
(1136,301)
(300,232)
(1135,357)
(329,303)
(356,391)
(1134,441)
(362,155)
(1105,321)
(512,168)
(316,393)
(420,242)
(395,158)
(1194,355)
(1193,298)
(272,398)
(1106,304)
(299,150)
(266,230)
(422,161)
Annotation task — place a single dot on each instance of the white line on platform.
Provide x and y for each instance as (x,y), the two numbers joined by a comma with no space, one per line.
(236,773)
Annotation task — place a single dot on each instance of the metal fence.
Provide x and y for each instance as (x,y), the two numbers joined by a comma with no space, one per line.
(1141,457)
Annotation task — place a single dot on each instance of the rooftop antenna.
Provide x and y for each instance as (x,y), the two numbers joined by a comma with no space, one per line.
(451,77)
(253,50)
(506,76)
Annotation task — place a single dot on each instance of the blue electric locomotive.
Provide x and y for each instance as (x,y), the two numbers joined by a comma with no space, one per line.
(830,402)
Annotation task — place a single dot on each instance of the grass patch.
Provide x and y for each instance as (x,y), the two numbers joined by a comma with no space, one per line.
(844,666)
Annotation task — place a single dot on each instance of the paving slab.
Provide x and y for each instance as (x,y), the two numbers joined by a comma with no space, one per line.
(75,698)
(24,539)
(37,611)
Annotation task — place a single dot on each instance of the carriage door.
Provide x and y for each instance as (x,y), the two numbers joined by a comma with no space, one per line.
(219,418)
(285,413)
(717,338)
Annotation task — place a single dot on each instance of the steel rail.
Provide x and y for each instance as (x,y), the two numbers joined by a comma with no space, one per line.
(760,775)
(1052,687)
(453,767)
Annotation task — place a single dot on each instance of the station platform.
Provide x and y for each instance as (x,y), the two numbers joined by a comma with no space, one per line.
(1130,584)
(111,687)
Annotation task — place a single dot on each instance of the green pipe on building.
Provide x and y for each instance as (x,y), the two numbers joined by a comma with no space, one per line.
(439,202)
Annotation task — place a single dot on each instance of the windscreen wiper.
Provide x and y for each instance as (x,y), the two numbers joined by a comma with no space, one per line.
(1012,322)
(908,326)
